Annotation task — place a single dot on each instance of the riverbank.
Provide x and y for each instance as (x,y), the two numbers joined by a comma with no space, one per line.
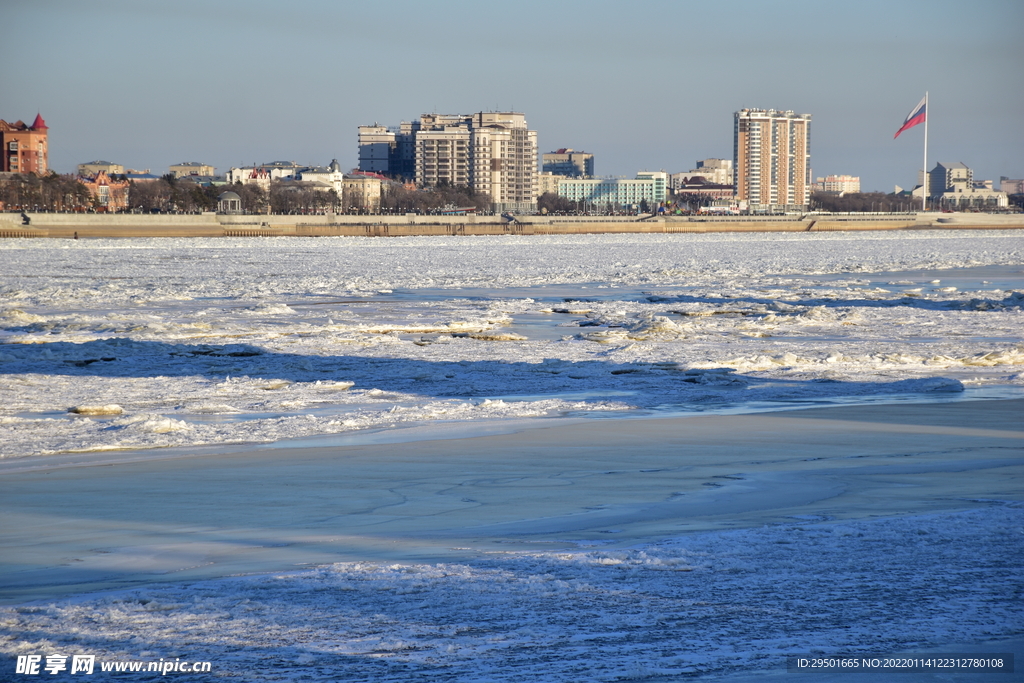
(218,225)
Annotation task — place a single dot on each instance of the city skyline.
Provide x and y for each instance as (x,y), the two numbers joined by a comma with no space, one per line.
(148,86)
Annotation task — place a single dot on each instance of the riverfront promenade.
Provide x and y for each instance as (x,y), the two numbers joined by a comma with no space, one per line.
(69,225)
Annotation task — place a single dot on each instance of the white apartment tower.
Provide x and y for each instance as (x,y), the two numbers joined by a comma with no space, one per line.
(771,159)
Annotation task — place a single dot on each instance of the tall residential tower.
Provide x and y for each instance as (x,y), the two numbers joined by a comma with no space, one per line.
(771,159)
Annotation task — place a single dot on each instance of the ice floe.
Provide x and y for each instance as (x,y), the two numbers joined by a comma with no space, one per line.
(250,341)
(702,606)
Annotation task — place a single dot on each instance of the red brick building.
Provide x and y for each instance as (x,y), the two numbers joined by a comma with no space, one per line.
(24,148)
(108,195)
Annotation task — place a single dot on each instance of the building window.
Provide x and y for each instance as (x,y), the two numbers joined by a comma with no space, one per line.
(13,146)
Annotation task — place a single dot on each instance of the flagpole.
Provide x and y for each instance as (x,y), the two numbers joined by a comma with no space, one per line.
(924,177)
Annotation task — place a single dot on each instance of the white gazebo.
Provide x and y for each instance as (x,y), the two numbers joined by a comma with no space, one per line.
(229,202)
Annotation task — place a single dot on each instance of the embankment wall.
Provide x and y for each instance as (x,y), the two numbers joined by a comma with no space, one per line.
(213,225)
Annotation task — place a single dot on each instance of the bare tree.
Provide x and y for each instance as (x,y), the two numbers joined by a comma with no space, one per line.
(549,202)
(50,192)
(399,199)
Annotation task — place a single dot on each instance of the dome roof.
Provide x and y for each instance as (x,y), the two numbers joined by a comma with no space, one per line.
(228,195)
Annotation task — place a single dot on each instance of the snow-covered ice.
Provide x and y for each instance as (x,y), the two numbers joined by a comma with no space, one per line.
(700,607)
(163,346)
(226,341)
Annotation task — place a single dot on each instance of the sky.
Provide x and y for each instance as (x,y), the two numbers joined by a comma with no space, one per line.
(642,85)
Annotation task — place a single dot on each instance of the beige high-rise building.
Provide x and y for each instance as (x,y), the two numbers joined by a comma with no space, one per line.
(505,160)
(443,156)
(771,159)
(492,153)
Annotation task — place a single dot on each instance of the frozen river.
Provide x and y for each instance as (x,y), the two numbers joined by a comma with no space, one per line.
(233,341)
(405,459)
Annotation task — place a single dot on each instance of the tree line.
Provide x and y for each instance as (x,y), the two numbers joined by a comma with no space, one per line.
(863,201)
(51,192)
(54,192)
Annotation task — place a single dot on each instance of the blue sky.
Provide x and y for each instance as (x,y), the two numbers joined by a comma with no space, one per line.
(647,84)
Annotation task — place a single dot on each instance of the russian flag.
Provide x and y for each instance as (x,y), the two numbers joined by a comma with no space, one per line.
(917,115)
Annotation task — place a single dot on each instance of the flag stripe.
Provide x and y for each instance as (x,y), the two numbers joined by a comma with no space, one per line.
(916,116)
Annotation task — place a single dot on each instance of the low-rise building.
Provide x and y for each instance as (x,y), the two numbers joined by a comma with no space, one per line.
(329,175)
(714,171)
(1010,186)
(650,187)
(140,175)
(952,186)
(838,183)
(547,183)
(970,198)
(263,174)
(568,162)
(108,195)
(94,167)
(187,168)
(362,192)
(697,187)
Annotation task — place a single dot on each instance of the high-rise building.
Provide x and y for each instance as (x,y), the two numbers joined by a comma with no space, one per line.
(375,145)
(771,159)
(443,154)
(568,162)
(505,160)
(24,147)
(388,151)
(491,153)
